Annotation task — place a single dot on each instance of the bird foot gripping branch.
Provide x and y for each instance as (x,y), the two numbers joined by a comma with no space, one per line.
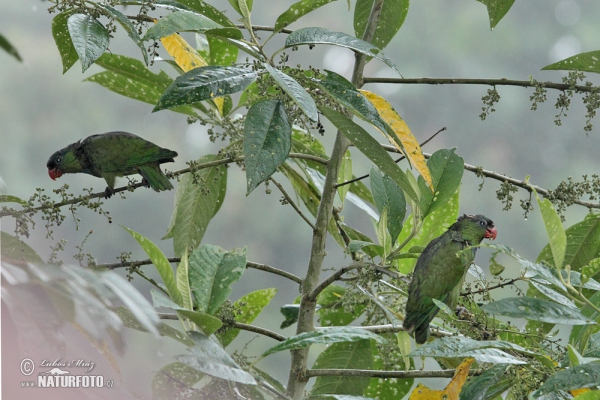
(440,272)
(113,154)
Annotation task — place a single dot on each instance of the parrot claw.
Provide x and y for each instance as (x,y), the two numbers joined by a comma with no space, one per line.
(145,182)
(108,192)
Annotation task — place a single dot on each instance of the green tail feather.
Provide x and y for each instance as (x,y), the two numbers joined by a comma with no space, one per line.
(155,177)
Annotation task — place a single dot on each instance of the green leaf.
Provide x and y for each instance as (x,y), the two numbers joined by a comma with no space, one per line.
(582,336)
(161,263)
(312,36)
(203,8)
(89,37)
(357,240)
(7,198)
(433,226)
(323,336)
(583,244)
(590,270)
(388,388)
(187,22)
(130,321)
(62,38)
(556,234)
(344,175)
(295,91)
(164,386)
(478,387)
(212,272)
(129,28)
(183,281)
(345,355)
(582,376)
(204,321)
(209,357)
(393,14)
(346,93)
(221,51)
(381,231)
(460,347)
(13,248)
(9,48)
(297,11)
(386,193)
(588,62)
(242,6)
(267,141)
(370,148)
(446,168)
(129,77)
(205,83)
(198,198)
(290,313)
(247,308)
(537,310)
(497,9)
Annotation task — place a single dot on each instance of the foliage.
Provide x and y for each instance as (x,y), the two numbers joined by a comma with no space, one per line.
(277,136)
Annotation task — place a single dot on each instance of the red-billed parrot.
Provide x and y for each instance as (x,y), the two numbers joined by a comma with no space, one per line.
(113,154)
(440,272)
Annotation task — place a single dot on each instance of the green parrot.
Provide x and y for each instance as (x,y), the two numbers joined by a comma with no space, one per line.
(440,272)
(113,154)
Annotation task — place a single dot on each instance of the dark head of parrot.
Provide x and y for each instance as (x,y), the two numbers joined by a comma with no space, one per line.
(64,161)
(475,228)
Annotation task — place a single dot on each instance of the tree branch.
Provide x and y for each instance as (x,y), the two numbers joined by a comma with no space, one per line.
(259,330)
(306,315)
(466,81)
(132,187)
(449,373)
(504,178)
(249,264)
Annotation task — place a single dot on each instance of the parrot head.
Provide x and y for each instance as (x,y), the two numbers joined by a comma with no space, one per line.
(63,161)
(477,227)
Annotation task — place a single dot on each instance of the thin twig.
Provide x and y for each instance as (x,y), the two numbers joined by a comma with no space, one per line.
(489,82)
(249,264)
(236,325)
(387,374)
(292,203)
(487,289)
(396,161)
(259,330)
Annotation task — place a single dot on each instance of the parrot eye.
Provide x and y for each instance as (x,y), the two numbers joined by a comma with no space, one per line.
(482,223)
(58,159)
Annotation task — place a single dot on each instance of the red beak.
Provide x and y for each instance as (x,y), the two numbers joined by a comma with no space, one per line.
(491,233)
(55,173)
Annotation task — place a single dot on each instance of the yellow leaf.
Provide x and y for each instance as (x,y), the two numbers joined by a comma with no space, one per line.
(410,146)
(577,392)
(187,58)
(422,392)
(451,391)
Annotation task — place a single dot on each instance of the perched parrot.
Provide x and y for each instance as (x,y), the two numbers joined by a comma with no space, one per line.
(113,154)
(440,272)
